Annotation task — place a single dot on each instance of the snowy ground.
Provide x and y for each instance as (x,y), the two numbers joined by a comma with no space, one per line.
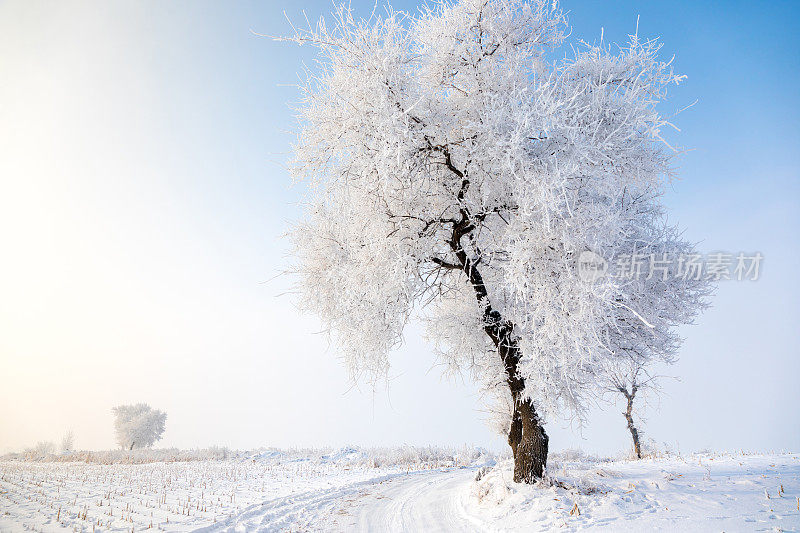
(354,490)
(108,493)
(706,492)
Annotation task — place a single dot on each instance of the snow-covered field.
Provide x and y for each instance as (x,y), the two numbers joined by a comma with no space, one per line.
(408,489)
(179,491)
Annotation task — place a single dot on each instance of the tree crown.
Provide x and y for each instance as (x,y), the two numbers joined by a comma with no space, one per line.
(454,171)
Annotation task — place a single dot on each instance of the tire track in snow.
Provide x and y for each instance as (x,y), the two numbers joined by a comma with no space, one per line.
(425,501)
(428,501)
(302,511)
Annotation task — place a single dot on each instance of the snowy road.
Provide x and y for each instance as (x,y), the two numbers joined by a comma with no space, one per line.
(425,501)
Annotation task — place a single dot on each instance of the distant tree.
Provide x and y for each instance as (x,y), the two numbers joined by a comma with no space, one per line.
(454,171)
(629,378)
(44,448)
(67,442)
(138,426)
(671,297)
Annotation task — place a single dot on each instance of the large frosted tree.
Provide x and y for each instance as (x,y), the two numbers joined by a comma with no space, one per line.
(456,172)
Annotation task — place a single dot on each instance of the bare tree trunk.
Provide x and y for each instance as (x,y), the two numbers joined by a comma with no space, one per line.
(637,449)
(528,442)
(527,437)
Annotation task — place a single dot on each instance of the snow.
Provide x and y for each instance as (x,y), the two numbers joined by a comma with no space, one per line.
(402,489)
(705,492)
(172,490)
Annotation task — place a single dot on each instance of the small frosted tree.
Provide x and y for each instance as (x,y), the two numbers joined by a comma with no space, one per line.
(671,296)
(452,170)
(67,442)
(629,378)
(44,448)
(138,426)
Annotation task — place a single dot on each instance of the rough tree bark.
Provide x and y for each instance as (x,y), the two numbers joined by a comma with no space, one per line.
(529,443)
(628,414)
(527,437)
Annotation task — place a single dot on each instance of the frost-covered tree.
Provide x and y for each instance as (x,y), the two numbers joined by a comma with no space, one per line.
(453,169)
(138,426)
(44,448)
(629,377)
(668,294)
(67,442)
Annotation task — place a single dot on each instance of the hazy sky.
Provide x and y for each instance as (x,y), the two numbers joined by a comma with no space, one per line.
(142,207)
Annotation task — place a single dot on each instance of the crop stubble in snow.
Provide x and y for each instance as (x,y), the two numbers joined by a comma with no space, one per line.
(354,490)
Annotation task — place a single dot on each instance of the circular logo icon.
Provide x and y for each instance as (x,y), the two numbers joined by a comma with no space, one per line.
(591,266)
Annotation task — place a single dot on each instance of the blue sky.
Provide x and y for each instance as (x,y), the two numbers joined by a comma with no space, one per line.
(143,202)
